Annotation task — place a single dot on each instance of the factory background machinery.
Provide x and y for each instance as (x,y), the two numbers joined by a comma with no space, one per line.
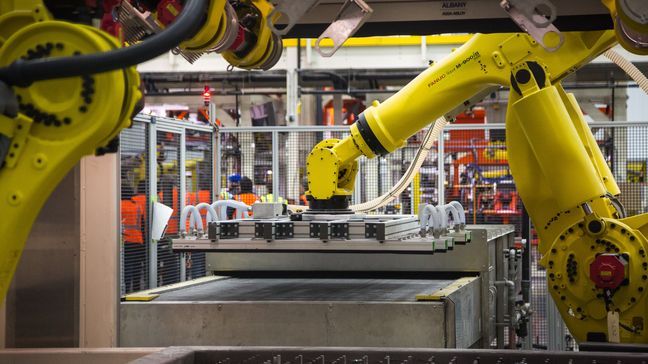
(279,259)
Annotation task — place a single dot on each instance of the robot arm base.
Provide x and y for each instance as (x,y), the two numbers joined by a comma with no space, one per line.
(338,204)
(331,168)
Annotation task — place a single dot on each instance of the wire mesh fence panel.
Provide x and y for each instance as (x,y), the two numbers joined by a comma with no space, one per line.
(168,188)
(246,166)
(134,208)
(247,171)
(477,174)
(293,149)
(626,152)
(377,176)
(539,324)
(424,187)
(199,187)
(247,153)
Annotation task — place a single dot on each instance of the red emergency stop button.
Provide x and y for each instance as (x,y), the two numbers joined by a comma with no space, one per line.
(608,271)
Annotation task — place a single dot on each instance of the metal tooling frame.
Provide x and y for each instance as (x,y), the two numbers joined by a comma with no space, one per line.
(425,246)
(483,257)
(362,234)
(415,255)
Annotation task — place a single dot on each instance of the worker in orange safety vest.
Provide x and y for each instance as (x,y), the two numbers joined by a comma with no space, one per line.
(133,215)
(131,222)
(246,196)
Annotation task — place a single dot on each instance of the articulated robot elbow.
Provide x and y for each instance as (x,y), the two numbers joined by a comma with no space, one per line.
(383,128)
(237,30)
(630,24)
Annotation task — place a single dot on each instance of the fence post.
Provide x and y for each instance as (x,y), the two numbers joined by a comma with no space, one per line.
(440,170)
(275,164)
(183,195)
(152,166)
(292,84)
(555,326)
(216,169)
(526,272)
(120,188)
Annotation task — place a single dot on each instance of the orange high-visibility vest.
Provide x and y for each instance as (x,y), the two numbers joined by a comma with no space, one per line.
(131,222)
(247,198)
(204,196)
(140,201)
(172,226)
(191,199)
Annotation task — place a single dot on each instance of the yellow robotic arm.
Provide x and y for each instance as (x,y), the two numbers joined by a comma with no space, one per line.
(483,62)
(238,30)
(52,116)
(597,269)
(595,258)
(55,122)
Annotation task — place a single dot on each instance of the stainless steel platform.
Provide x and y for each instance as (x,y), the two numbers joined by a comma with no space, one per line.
(298,298)
(305,312)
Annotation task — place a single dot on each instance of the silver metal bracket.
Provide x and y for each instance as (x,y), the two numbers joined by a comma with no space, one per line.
(536,18)
(349,19)
(267,210)
(136,25)
(288,10)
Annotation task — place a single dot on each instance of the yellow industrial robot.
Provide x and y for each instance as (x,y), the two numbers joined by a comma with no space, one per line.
(597,268)
(595,257)
(68,89)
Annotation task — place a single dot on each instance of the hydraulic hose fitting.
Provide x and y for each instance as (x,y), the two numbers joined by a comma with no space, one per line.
(236,29)
(255,45)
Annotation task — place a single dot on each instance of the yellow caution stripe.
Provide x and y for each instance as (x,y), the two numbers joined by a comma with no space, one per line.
(395,41)
(445,291)
(151,294)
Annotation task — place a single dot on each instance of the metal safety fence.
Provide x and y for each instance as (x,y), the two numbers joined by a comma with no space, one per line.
(171,162)
(470,163)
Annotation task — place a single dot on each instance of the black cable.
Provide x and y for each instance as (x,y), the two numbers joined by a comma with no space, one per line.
(632,329)
(607,297)
(618,206)
(23,73)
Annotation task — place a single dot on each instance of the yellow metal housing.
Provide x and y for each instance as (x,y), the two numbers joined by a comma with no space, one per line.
(212,30)
(629,24)
(59,122)
(558,168)
(267,44)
